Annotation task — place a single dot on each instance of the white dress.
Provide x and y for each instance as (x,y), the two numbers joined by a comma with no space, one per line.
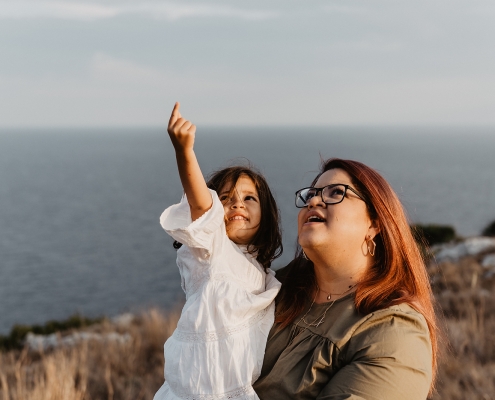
(217,350)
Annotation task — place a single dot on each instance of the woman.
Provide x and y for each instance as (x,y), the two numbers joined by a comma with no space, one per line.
(354,318)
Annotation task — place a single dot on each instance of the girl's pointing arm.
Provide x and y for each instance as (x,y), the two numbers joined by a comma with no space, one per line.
(182,133)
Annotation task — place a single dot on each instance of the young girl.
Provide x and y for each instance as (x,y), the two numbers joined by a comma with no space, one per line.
(230,233)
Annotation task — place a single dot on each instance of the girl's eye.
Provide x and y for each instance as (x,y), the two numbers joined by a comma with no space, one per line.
(223,198)
(250,198)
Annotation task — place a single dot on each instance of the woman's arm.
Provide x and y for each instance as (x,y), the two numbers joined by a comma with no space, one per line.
(182,134)
(387,358)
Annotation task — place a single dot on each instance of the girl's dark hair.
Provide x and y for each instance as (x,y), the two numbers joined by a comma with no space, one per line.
(398,274)
(267,242)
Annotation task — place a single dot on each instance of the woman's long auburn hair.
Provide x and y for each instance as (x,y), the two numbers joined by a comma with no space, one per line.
(398,274)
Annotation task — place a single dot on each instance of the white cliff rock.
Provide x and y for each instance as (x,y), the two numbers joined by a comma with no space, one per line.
(46,342)
(488,261)
(468,247)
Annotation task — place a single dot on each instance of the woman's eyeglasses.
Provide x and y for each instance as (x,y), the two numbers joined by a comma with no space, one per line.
(331,194)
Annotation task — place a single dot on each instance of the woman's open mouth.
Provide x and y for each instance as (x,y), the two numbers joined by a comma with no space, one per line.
(315,218)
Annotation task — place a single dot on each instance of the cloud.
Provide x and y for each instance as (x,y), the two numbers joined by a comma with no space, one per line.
(118,92)
(55,9)
(483,10)
(92,11)
(345,9)
(371,43)
(126,76)
(442,100)
(108,68)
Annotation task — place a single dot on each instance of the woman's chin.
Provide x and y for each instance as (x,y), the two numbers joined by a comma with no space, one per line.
(307,242)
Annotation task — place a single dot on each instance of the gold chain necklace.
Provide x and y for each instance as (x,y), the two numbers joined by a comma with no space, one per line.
(319,320)
(329,297)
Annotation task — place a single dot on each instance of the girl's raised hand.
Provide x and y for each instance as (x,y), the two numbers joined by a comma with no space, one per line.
(180,130)
(181,133)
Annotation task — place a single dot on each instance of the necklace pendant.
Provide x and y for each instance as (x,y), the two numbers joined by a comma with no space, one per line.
(329,297)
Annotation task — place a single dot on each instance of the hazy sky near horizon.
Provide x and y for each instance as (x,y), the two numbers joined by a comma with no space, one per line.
(262,62)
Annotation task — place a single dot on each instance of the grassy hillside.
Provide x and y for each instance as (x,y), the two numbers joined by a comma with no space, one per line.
(106,367)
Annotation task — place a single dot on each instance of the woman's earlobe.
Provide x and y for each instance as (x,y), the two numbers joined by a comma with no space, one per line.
(374,228)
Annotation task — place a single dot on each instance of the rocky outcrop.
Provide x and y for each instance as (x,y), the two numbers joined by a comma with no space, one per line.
(468,247)
(481,247)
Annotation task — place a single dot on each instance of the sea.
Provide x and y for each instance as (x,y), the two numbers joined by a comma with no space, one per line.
(79,215)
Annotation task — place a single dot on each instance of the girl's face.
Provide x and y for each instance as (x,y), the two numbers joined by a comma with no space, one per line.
(242,209)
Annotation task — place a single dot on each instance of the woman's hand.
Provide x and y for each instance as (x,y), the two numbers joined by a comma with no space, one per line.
(181,131)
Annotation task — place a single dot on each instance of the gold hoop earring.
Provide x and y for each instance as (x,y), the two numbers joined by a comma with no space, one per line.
(370,243)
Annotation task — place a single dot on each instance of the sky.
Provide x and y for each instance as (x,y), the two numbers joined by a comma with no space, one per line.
(113,63)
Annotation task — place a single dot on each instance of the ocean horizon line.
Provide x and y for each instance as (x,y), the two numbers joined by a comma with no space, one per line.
(419,128)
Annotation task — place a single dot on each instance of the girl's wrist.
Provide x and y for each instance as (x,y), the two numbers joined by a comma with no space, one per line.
(184,151)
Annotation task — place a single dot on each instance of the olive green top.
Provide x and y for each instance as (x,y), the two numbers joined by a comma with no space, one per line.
(385,355)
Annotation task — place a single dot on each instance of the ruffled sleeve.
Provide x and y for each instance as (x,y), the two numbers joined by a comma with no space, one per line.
(176,221)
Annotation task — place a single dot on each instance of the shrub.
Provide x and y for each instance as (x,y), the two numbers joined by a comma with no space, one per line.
(18,333)
(433,234)
(489,230)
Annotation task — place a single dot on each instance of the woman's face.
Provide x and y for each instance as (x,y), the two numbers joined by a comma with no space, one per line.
(339,228)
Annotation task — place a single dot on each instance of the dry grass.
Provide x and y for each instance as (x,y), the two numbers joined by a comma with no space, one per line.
(467,300)
(95,370)
(92,370)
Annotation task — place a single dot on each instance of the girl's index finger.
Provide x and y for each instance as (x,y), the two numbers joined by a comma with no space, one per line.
(175,114)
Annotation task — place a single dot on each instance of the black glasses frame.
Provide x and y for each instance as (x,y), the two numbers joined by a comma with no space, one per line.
(320,192)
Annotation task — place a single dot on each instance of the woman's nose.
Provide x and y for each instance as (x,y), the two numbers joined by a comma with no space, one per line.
(315,201)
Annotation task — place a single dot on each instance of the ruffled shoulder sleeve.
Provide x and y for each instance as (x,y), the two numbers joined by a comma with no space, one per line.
(176,221)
